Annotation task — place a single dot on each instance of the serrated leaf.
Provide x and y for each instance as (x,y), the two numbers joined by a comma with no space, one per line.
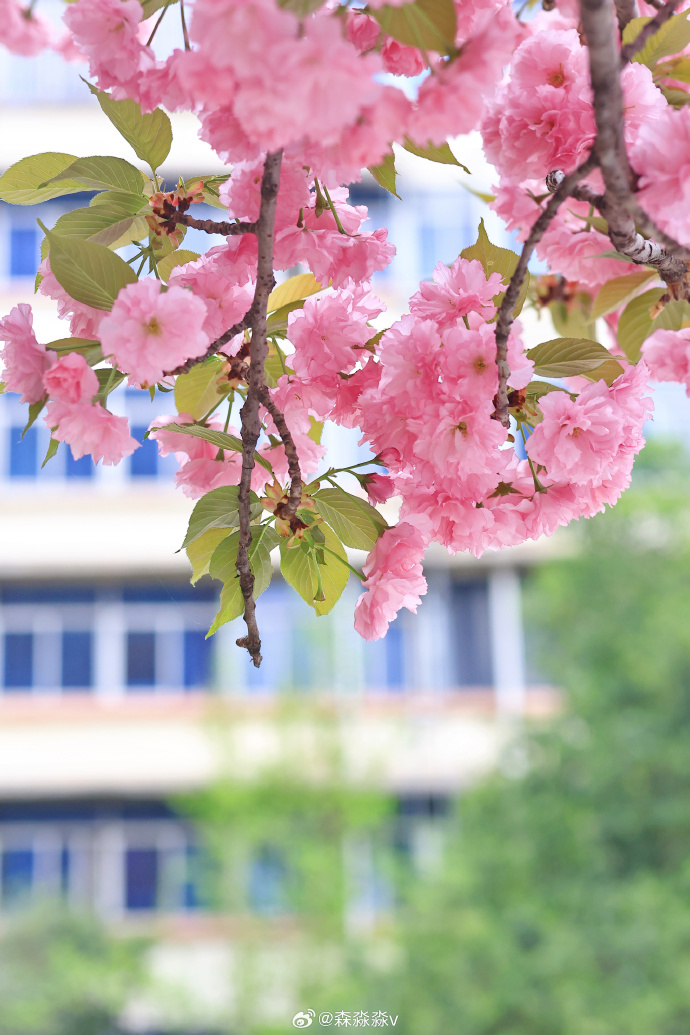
(677,68)
(426,24)
(635,323)
(108,378)
(88,272)
(20,185)
(275,365)
(100,224)
(35,409)
(301,8)
(179,258)
(567,357)
(298,568)
(219,508)
(573,320)
(608,371)
(536,389)
(223,566)
(482,195)
(294,289)
(201,550)
(617,292)
(103,172)
(356,523)
(496,260)
(196,392)
(385,175)
(217,438)
(334,572)
(671,38)
(51,451)
(150,136)
(676,98)
(72,344)
(434,153)
(150,7)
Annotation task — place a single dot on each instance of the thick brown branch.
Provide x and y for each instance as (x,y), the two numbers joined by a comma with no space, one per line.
(288,509)
(211,226)
(249,414)
(635,46)
(624,236)
(626,10)
(506,311)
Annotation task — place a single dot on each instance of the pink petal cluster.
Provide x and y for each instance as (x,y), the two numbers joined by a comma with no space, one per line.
(73,417)
(394,579)
(200,470)
(661,155)
(107,32)
(24,361)
(667,355)
(150,331)
(23,31)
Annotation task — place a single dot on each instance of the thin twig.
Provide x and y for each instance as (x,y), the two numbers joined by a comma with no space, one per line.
(216,345)
(249,414)
(506,313)
(211,226)
(647,31)
(286,511)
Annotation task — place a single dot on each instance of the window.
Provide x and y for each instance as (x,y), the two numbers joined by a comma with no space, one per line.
(17,875)
(470,634)
(197,659)
(23,252)
(143,462)
(141,659)
(19,650)
(267,881)
(23,453)
(77,660)
(394,646)
(81,468)
(141,878)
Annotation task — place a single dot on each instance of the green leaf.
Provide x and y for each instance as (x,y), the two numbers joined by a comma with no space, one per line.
(150,7)
(103,224)
(608,371)
(88,272)
(354,520)
(150,136)
(219,508)
(179,258)
(108,378)
(567,357)
(496,260)
(275,365)
(72,344)
(223,566)
(20,185)
(385,175)
(482,195)
(671,38)
(301,8)
(104,173)
(676,98)
(201,551)
(434,153)
(294,289)
(574,319)
(677,68)
(217,438)
(34,412)
(196,392)
(51,451)
(334,572)
(636,324)
(535,389)
(426,24)
(298,568)
(619,291)
(278,321)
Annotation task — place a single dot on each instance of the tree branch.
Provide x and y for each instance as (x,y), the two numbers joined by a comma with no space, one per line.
(249,414)
(626,10)
(214,347)
(287,510)
(506,313)
(211,226)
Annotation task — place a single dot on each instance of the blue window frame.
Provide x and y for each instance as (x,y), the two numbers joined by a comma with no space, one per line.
(141,878)
(471,634)
(65,867)
(267,881)
(19,657)
(394,644)
(141,659)
(17,874)
(77,660)
(23,252)
(197,659)
(23,453)
(143,462)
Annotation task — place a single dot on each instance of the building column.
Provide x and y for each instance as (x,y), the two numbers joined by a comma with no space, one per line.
(507,641)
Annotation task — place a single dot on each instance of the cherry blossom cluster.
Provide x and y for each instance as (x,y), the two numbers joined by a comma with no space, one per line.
(262,80)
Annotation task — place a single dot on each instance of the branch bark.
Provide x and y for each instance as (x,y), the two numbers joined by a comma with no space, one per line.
(249,414)
(211,226)
(506,314)
(635,46)
(288,510)
(626,10)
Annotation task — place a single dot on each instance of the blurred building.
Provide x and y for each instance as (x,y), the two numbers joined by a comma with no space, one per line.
(111,699)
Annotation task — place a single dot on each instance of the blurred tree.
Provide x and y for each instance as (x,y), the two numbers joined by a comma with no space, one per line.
(62,974)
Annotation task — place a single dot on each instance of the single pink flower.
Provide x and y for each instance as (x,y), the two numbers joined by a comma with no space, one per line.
(89,428)
(394,580)
(71,380)
(25,362)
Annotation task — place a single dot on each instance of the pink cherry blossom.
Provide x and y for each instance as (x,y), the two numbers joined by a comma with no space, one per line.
(329,333)
(149,331)
(25,362)
(401,60)
(71,379)
(667,355)
(23,31)
(89,428)
(394,580)
(661,155)
(456,291)
(107,32)
(362,31)
(84,319)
